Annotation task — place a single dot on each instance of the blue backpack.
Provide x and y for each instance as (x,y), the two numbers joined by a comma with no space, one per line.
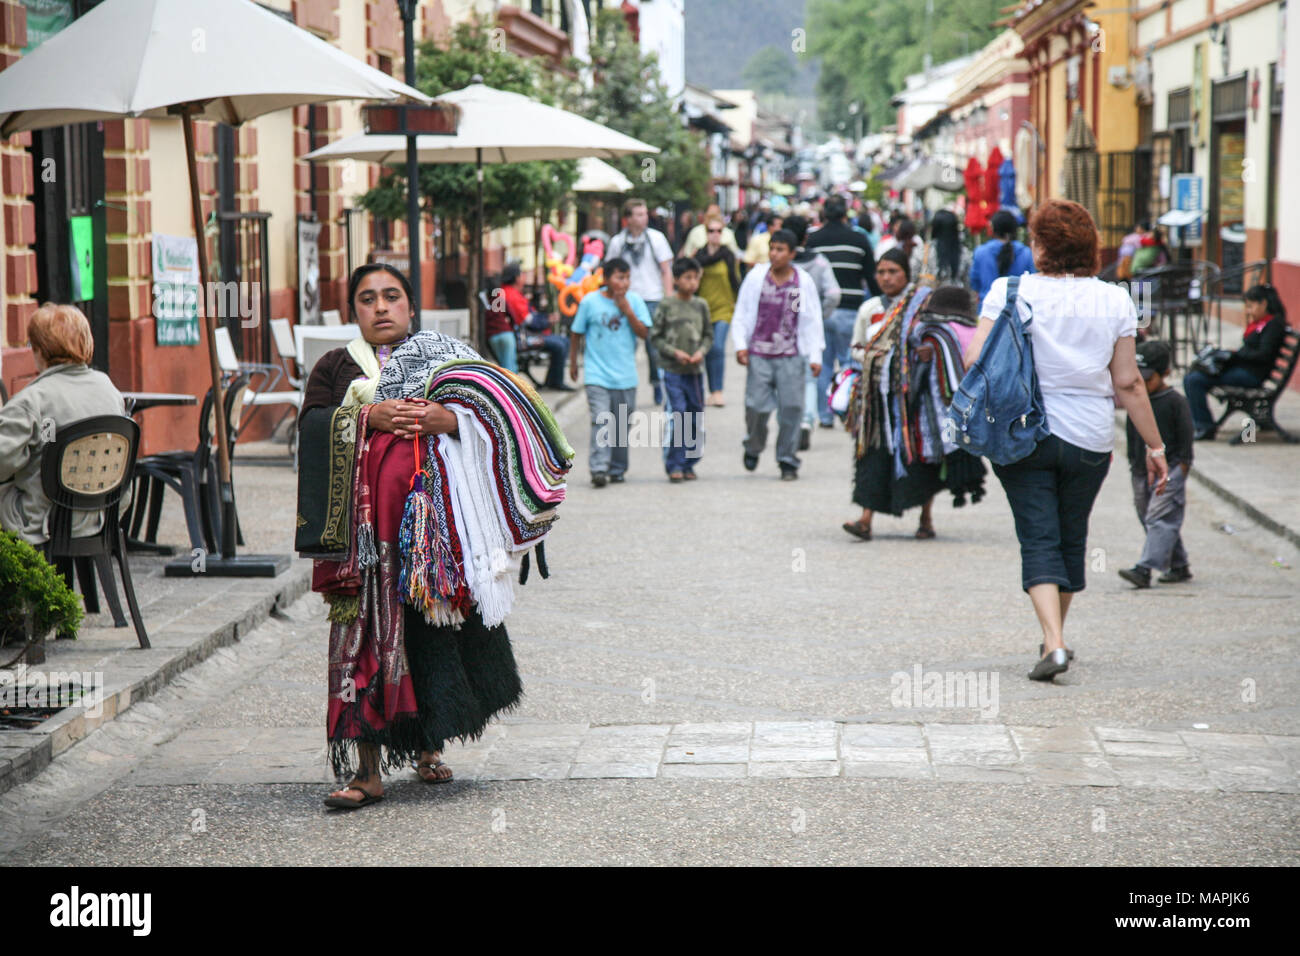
(997,410)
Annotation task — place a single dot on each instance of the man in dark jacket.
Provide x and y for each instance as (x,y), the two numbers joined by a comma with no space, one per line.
(850,256)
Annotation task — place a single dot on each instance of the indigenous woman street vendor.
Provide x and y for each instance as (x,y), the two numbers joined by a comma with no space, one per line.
(396,681)
(911,366)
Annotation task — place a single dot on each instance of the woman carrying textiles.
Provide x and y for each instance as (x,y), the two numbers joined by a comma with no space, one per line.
(399,687)
(911,365)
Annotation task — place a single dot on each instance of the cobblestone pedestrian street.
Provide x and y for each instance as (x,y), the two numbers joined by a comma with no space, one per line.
(716,673)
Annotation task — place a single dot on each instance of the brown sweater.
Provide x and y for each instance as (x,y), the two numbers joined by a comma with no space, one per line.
(329,380)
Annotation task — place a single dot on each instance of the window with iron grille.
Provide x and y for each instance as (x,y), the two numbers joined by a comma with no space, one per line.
(554,12)
(1229,98)
(1123,196)
(1180,107)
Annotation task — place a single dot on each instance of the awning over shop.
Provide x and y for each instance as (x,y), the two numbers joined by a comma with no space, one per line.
(930,175)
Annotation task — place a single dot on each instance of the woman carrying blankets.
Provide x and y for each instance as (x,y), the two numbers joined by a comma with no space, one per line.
(396,681)
(911,367)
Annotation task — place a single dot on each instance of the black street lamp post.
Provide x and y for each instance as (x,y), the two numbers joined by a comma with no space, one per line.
(407,8)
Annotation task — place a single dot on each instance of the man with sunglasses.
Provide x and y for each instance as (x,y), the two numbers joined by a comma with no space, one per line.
(650,258)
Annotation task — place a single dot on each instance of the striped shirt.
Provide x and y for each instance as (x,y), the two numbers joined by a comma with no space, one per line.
(849,253)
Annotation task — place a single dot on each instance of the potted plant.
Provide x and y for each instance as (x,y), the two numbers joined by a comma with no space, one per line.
(36,598)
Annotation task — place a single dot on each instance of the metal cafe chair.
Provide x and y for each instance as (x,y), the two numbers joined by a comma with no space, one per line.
(83,470)
(1180,292)
(265,377)
(192,475)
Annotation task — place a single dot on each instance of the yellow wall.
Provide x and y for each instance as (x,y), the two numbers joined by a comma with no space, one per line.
(1117,119)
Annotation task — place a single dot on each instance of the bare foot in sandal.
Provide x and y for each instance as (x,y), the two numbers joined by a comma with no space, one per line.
(431,768)
(358,793)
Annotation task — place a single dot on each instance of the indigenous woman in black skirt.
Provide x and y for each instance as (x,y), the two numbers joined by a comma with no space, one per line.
(399,686)
(911,361)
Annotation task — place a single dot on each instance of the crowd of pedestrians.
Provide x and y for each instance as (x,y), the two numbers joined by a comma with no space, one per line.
(843,311)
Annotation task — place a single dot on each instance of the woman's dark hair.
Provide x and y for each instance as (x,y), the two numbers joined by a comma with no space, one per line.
(1067,238)
(905,233)
(899,258)
(360,272)
(1263,292)
(798,225)
(945,235)
(1004,226)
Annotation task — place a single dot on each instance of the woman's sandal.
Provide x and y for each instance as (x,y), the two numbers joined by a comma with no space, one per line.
(434,777)
(925,531)
(343,803)
(858,529)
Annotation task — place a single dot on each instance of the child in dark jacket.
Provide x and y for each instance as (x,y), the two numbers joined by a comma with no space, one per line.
(1161,515)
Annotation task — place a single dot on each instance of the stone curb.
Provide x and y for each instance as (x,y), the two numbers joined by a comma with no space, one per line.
(1261,519)
(25,754)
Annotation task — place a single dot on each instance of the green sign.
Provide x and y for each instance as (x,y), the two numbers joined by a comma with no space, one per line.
(44,19)
(175,289)
(83,258)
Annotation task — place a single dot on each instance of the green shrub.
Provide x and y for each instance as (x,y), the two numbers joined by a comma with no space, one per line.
(29,585)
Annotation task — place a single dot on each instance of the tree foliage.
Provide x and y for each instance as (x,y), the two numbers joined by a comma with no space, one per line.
(769,70)
(627,95)
(511,190)
(868,47)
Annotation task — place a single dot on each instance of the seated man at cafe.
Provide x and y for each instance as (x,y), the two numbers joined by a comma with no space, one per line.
(66,390)
(536,327)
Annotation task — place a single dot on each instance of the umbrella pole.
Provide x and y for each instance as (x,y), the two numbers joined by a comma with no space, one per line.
(413,241)
(228,563)
(478,256)
(415,237)
(209,321)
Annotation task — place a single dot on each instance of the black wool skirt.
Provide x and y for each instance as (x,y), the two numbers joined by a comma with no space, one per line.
(462,677)
(876,487)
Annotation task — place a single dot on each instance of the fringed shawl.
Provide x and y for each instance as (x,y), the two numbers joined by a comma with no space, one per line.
(371,696)
(869,419)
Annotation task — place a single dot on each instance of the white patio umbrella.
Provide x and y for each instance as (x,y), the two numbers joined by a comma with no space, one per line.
(226,60)
(598,176)
(495,127)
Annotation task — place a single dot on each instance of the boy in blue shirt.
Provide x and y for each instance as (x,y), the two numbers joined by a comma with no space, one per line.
(605,332)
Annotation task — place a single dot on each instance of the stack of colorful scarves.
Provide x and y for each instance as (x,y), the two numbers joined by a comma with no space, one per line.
(938,380)
(480,501)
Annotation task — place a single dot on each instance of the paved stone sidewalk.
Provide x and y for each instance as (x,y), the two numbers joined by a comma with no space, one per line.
(965,753)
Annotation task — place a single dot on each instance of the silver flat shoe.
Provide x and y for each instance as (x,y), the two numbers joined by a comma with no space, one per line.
(1042,649)
(1054,663)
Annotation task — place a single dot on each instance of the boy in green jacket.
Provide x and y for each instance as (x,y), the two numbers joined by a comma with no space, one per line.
(681,335)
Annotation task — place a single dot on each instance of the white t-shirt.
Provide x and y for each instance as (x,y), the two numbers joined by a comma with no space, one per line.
(644,254)
(1076,323)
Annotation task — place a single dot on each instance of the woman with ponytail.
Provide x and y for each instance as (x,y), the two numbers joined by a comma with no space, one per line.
(943,259)
(1250,364)
(1004,255)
